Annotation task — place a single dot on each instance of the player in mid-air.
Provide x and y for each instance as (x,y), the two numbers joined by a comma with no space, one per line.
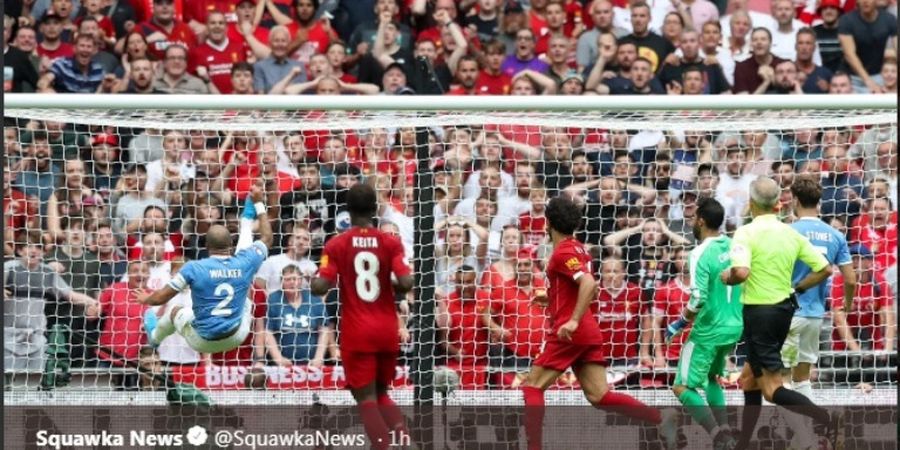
(715,310)
(221,314)
(362,262)
(801,348)
(575,339)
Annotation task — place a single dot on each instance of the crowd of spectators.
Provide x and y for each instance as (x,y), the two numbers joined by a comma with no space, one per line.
(453,47)
(94,212)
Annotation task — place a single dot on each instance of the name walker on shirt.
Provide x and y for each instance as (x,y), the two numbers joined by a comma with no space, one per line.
(225,273)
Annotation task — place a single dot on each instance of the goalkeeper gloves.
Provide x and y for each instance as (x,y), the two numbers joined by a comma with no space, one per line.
(675,328)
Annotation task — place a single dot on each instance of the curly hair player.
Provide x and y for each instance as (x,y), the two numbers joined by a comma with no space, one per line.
(362,262)
(575,339)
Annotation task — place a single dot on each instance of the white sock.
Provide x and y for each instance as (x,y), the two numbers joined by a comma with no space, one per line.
(164,325)
(801,425)
(805,388)
(245,236)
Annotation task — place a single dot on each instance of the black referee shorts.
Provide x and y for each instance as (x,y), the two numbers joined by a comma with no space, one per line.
(765,329)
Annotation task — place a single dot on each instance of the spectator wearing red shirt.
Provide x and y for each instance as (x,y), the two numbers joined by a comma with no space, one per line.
(467,75)
(555,26)
(337,57)
(92,10)
(620,303)
(533,224)
(163,29)
(218,54)
(513,319)
(196,12)
(871,322)
(463,334)
(244,29)
(491,80)
(52,46)
(309,35)
(877,231)
(670,299)
(123,316)
(19,211)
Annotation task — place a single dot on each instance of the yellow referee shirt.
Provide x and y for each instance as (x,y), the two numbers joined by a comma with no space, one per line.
(769,249)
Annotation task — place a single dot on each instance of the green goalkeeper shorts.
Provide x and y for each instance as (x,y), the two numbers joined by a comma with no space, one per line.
(699,362)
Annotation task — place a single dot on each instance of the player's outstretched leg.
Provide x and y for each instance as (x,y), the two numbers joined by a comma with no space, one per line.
(159,323)
(592,378)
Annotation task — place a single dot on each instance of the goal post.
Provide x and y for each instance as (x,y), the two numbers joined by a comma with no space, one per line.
(421,153)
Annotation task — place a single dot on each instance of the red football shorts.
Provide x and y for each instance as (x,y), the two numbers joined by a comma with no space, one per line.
(562,355)
(362,368)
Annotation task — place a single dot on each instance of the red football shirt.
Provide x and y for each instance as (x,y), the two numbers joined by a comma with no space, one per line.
(218,61)
(866,309)
(466,331)
(487,84)
(533,228)
(883,243)
(513,308)
(569,262)
(670,299)
(618,317)
(123,322)
(317,40)
(19,210)
(181,34)
(360,261)
(65,50)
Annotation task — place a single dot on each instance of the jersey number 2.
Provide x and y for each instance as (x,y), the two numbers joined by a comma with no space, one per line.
(366,266)
(222,308)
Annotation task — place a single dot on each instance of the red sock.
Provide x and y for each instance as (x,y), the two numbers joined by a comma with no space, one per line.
(393,417)
(534,416)
(374,425)
(629,406)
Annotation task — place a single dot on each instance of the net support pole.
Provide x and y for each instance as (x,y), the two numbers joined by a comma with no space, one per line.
(422,365)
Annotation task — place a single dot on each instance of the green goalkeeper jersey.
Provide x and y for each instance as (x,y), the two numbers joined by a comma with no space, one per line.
(719,319)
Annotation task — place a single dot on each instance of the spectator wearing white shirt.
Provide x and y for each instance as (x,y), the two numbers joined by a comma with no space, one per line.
(658,11)
(173,169)
(713,51)
(734,187)
(269,275)
(784,34)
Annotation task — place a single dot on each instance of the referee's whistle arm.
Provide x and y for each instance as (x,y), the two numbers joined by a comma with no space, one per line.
(735,275)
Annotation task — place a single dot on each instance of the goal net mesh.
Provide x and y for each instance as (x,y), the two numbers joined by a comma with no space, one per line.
(99,204)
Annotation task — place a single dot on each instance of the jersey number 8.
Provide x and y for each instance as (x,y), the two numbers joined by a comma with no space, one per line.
(367,286)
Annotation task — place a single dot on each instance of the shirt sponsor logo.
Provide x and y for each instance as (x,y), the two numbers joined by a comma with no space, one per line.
(573,264)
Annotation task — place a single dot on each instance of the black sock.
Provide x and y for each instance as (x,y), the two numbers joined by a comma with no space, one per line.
(752,407)
(800,404)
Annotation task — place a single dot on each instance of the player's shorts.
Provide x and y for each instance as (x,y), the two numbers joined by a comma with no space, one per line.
(765,329)
(802,343)
(562,355)
(362,368)
(699,362)
(184,324)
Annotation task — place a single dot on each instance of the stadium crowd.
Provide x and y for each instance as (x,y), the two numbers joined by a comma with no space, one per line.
(93,213)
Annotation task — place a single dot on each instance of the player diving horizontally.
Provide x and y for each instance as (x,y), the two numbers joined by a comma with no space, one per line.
(221,315)
(362,262)
(575,339)
(715,310)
